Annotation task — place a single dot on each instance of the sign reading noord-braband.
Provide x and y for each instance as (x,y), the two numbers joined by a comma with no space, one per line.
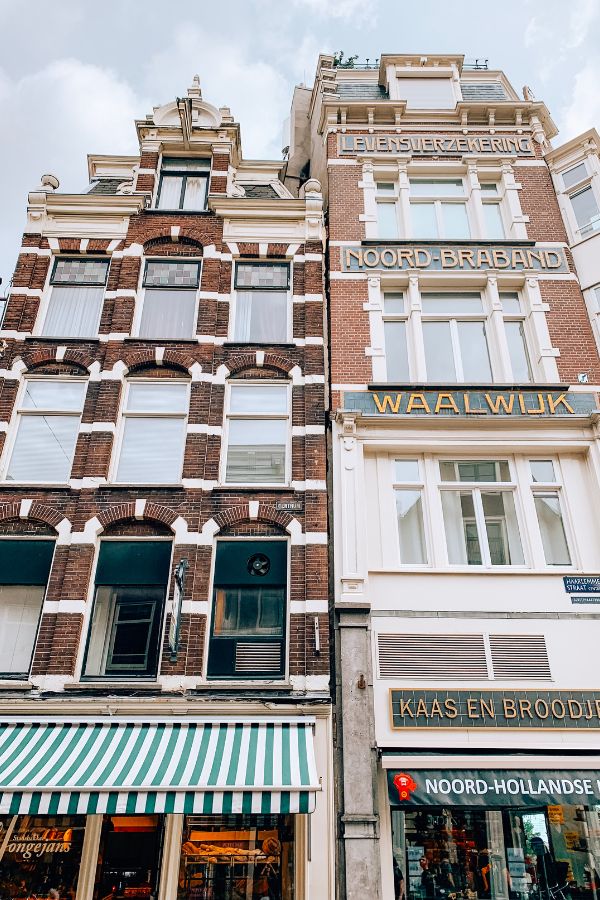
(454,257)
(495,709)
(436,144)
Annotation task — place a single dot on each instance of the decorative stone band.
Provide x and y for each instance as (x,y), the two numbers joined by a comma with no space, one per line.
(454,257)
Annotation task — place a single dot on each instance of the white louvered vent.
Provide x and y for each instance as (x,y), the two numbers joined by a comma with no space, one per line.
(257,657)
(449,656)
(519,656)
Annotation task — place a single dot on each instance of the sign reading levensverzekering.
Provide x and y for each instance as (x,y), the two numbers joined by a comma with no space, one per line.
(436,144)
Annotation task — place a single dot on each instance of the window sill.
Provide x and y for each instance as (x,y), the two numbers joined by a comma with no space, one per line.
(179,212)
(110,684)
(46,485)
(134,485)
(276,488)
(249,683)
(7,684)
(159,341)
(476,570)
(259,344)
(61,340)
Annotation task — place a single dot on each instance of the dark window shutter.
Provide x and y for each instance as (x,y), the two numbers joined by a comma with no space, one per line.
(231,565)
(25,562)
(134,562)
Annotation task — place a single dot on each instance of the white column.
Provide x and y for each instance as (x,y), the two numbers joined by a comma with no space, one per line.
(404,197)
(89,858)
(369,217)
(171,857)
(502,368)
(353,535)
(477,220)
(376,351)
(510,188)
(536,309)
(416,348)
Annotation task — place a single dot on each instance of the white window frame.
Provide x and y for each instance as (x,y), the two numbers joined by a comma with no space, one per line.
(233,308)
(554,487)
(521,318)
(438,200)
(89,611)
(453,319)
(184,173)
(418,485)
(588,181)
(124,414)
(141,297)
(19,411)
(227,416)
(211,611)
(391,198)
(42,315)
(404,317)
(489,198)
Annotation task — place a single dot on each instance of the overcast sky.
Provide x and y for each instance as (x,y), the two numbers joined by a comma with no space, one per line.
(74,75)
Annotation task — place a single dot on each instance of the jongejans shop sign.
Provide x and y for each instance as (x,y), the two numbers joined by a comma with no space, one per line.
(492,787)
(407,402)
(436,144)
(444,257)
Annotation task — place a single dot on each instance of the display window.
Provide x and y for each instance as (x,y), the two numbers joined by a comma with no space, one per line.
(446,853)
(40,856)
(129,858)
(237,858)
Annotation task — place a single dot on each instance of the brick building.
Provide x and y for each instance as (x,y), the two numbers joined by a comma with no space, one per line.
(165,716)
(465,471)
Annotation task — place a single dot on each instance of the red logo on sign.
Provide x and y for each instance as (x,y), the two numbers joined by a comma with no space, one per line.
(404,784)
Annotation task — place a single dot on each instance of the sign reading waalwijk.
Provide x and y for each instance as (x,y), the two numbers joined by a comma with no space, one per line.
(409,402)
(457,257)
(436,144)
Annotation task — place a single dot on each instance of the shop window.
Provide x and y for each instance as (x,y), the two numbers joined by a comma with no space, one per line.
(48,417)
(76,294)
(131,584)
(40,854)
(237,856)
(169,304)
(492,211)
(249,610)
(24,570)
(514,328)
(262,303)
(183,184)
(153,432)
(480,519)
(438,208)
(455,338)
(546,496)
(408,493)
(129,858)
(257,433)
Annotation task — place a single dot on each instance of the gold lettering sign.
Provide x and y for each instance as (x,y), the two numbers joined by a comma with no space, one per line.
(495,708)
(437,403)
(436,144)
(444,257)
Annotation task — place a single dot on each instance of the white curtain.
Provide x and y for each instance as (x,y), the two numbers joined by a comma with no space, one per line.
(20,608)
(168,314)
(261,316)
(409,510)
(152,451)
(44,448)
(170,192)
(453,524)
(74,311)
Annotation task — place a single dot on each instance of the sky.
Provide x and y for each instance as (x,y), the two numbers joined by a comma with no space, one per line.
(74,75)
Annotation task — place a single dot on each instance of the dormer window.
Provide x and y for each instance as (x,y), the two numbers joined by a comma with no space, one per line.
(426,93)
(183,184)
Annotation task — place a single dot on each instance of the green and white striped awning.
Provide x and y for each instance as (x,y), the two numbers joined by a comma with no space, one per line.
(193,766)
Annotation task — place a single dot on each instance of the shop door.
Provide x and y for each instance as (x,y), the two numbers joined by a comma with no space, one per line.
(129,858)
(574,836)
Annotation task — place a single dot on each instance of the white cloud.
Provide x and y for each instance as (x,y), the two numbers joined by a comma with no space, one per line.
(581,18)
(355,11)
(51,119)
(583,110)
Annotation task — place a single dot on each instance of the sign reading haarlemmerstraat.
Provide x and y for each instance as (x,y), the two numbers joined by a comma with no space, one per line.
(435,257)
(437,144)
(405,401)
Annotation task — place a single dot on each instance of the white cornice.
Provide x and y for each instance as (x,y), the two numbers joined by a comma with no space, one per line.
(87,215)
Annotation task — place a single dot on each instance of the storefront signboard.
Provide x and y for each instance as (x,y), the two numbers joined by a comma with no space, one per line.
(493,787)
(416,708)
(436,144)
(455,257)
(404,401)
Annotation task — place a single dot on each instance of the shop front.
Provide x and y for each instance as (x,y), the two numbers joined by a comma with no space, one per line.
(502,834)
(178,810)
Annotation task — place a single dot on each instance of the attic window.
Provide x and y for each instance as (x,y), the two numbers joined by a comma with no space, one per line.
(183,184)
(426,93)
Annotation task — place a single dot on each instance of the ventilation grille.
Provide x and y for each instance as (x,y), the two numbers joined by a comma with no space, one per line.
(519,656)
(251,657)
(451,656)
